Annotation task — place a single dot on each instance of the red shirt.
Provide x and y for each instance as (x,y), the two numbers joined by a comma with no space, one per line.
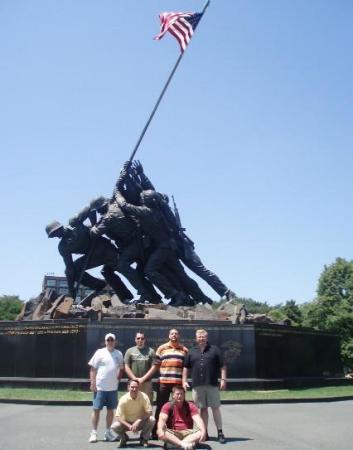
(181,419)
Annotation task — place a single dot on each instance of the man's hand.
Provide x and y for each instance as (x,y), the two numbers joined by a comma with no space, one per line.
(161,433)
(203,436)
(125,169)
(137,166)
(123,174)
(222,384)
(93,386)
(135,425)
(186,385)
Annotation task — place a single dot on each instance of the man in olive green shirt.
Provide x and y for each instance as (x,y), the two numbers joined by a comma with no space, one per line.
(139,362)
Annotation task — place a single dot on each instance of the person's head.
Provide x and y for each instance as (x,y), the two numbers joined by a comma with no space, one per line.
(133,387)
(110,341)
(201,337)
(150,198)
(178,394)
(100,204)
(54,229)
(140,339)
(174,336)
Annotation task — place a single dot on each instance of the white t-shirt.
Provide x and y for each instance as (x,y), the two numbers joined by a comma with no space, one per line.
(108,365)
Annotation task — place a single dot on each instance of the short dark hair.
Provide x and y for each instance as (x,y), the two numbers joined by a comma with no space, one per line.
(133,381)
(139,332)
(174,329)
(178,388)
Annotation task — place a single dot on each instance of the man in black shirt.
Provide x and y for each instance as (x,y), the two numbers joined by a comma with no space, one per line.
(206,364)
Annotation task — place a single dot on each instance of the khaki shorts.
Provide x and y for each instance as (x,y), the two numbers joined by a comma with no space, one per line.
(182,434)
(206,396)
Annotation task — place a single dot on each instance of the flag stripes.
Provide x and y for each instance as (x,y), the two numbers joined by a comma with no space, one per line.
(180,25)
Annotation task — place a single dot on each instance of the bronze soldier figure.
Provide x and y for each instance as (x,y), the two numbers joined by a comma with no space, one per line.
(77,240)
(186,247)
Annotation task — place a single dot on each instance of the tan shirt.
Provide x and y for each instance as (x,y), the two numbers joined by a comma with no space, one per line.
(130,409)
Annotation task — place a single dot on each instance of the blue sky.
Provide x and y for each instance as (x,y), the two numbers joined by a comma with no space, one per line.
(253,138)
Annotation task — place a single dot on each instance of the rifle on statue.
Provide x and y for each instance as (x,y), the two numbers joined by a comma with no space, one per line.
(186,243)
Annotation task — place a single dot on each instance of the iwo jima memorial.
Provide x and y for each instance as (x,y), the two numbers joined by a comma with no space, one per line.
(137,239)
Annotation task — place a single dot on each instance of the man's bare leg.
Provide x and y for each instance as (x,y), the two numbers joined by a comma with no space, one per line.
(217,417)
(109,418)
(95,418)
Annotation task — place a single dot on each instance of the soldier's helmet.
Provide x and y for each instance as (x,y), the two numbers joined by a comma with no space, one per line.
(150,197)
(99,202)
(52,227)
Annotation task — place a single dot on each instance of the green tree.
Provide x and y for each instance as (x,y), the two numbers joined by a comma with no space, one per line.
(336,282)
(255,307)
(10,306)
(292,312)
(277,314)
(332,310)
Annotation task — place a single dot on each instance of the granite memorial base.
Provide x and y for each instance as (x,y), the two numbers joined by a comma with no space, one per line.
(265,355)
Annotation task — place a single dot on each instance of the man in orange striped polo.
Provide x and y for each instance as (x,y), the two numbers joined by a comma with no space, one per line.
(170,362)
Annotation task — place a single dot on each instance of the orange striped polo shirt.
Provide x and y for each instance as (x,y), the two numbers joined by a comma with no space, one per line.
(170,359)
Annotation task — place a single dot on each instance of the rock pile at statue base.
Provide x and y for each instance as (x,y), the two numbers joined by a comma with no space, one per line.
(48,305)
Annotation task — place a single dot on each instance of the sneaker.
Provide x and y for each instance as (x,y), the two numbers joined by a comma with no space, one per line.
(143,442)
(93,437)
(123,441)
(109,436)
(221,438)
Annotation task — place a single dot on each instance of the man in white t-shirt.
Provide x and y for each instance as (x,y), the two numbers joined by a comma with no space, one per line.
(105,371)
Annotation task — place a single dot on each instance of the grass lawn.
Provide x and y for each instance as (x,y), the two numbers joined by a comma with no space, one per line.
(8,392)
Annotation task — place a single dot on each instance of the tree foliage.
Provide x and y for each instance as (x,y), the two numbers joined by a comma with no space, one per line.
(10,306)
(332,310)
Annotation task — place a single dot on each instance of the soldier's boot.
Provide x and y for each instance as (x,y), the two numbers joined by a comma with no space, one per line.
(230,295)
(206,300)
(147,297)
(179,299)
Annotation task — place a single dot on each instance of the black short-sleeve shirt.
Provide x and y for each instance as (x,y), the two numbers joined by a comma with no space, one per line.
(204,366)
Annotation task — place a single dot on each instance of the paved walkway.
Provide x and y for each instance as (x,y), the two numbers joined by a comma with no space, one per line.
(309,426)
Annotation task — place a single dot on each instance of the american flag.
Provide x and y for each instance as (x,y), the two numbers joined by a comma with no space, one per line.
(180,25)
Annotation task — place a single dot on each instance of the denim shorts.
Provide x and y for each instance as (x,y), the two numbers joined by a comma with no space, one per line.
(105,398)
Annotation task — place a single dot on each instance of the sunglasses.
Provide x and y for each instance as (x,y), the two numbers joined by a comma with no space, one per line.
(140,339)
(110,340)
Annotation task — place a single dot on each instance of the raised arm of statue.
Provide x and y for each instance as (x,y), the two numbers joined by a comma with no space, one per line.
(122,176)
(145,182)
(81,216)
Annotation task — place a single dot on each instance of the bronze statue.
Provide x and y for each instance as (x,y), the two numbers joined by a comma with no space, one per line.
(186,247)
(77,240)
(149,245)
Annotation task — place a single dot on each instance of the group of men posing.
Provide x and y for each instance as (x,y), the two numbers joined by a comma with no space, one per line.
(136,234)
(178,423)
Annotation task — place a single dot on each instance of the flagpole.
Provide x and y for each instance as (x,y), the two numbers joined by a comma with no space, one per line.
(89,254)
(161,96)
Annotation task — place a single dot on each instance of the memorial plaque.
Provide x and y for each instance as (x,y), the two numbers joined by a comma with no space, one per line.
(61,349)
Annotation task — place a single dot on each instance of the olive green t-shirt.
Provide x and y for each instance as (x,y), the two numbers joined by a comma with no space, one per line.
(139,360)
